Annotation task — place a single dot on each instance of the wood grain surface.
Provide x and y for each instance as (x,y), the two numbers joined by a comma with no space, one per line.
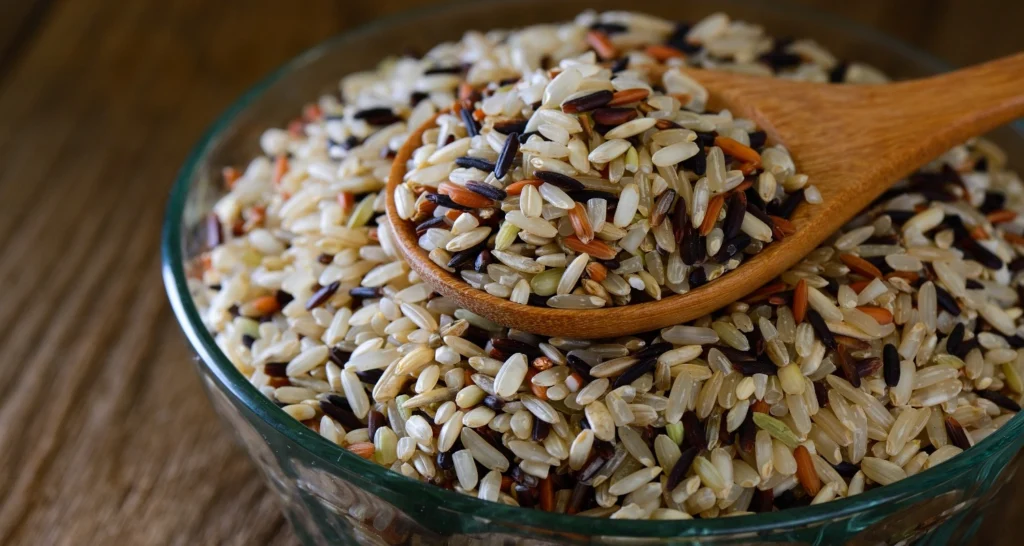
(105,434)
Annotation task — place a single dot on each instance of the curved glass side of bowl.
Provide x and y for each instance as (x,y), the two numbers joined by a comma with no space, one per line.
(333,497)
(330,502)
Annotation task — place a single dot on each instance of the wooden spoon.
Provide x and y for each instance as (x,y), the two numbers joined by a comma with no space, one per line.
(853,141)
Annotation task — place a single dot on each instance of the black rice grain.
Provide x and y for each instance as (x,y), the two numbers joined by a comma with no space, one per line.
(734,216)
(758,139)
(474,163)
(821,329)
(706,139)
(370,377)
(609,28)
(694,431)
(654,350)
(377,116)
(582,196)
(415,98)
(789,499)
(785,208)
(735,355)
(947,301)
(694,250)
(1000,400)
(968,346)
(891,364)
(763,501)
(374,420)
(507,156)
(493,402)
(562,181)
(979,253)
(752,367)
(778,59)
(486,190)
(365,292)
(698,277)
(526,496)
(522,478)
(338,356)
(681,468)
(436,221)
(993,202)
(511,346)
(955,339)
(678,40)
(577,500)
(732,247)
(589,102)
(508,127)
(838,73)
(482,261)
(445,460)
(845,469)
(760,214)
(541,429)
(443,70)
(756,341)
(634,372)
(467,119)
(445,201)
(464,257)
(579,366)
(283,298)
(337,408)
(1015,341)
(1016,264)
(322,295)
(698,164)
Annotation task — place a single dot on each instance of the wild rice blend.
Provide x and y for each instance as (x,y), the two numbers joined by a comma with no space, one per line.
(886,351)
(598,179)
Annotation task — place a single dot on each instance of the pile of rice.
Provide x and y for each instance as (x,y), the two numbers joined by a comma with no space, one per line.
(596,180)
(889,349)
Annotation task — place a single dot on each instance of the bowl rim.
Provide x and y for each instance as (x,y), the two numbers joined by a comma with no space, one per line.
(203,343)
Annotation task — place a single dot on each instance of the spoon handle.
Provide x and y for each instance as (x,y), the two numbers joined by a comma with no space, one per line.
(879,133)
(953,107)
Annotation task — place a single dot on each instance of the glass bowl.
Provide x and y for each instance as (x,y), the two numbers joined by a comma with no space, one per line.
(334,497)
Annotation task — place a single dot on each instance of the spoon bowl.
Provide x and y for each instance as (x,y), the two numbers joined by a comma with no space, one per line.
(853,141)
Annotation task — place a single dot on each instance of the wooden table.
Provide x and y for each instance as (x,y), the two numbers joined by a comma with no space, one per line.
(104,437)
